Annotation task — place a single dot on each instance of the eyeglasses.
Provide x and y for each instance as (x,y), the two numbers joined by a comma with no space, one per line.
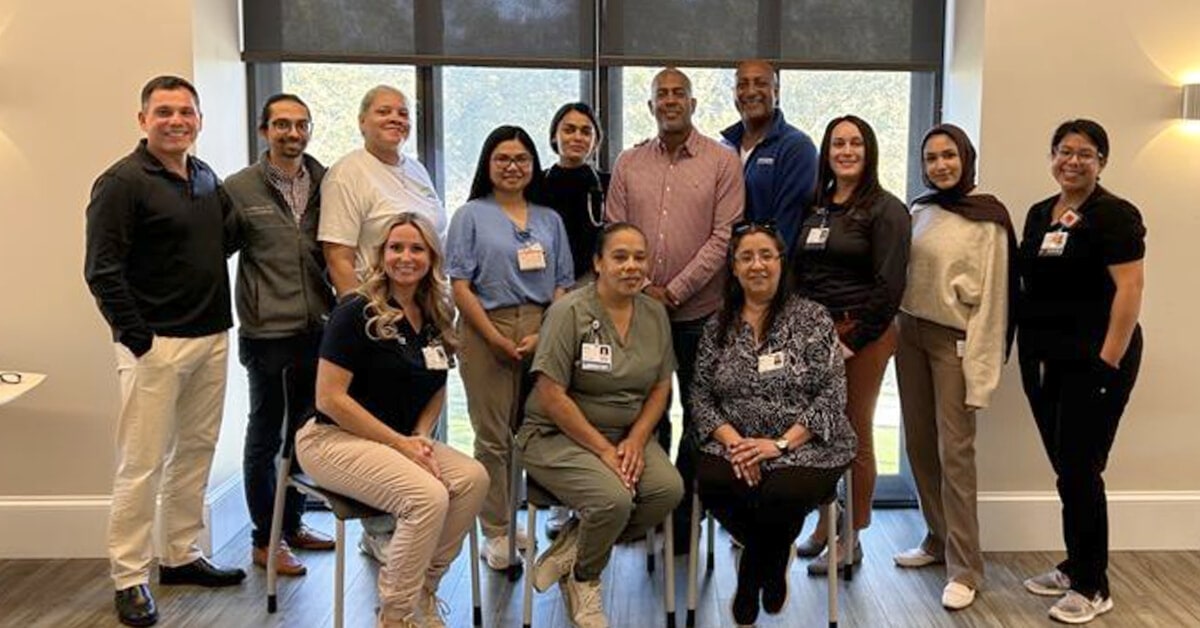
(1084,156)
(10,378)
(504,161)
(283,126)
(746,258)
(745,226)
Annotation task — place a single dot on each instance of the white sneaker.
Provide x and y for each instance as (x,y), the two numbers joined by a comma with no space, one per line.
(375,546)
(1073,608)
(495,552)
(558,561)
(957,596)
(432,609)
(915,558)
(584,602)
(1053,583)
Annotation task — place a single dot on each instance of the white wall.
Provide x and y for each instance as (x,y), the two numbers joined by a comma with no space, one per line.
(70,75)
(1025,66)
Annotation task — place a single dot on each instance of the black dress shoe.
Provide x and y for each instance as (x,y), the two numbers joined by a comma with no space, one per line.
(201,572)
(135,606)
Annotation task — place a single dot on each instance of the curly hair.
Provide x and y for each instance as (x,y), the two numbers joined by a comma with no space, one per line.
(433,293)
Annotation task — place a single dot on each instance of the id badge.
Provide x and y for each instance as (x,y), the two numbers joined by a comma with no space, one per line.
(816,238)
(532,257)
(435,358)
(960,348)
(1053,244)
(1069,219)
(770,362)
(596,357)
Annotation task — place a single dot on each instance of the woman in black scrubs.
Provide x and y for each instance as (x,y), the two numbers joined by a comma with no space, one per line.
(1080,347)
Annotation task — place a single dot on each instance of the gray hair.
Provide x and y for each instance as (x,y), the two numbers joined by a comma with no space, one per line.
(374,92)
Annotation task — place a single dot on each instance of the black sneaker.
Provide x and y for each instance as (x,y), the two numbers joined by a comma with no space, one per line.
(201,572)
(135,606)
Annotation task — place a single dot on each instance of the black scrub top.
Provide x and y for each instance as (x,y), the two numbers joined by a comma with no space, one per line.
(1066,299)
(390,376)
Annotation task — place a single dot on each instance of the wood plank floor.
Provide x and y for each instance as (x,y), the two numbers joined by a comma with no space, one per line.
(1150,589)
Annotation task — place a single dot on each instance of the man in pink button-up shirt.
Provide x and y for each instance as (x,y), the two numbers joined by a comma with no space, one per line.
(685,191)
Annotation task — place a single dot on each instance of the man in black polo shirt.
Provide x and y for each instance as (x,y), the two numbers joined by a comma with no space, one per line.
(155,261)
(283,299)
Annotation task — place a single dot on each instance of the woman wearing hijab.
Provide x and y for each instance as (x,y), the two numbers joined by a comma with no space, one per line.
(955,329)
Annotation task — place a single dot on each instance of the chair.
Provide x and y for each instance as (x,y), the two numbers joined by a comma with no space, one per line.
(539,497)
(699,513)
(344,509)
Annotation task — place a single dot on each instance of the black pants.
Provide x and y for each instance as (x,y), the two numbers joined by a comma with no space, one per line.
(1078,405)
(283,376)
(766,518)
(685,336)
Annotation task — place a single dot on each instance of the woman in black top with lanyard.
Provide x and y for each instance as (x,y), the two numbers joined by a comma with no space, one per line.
(381,385)
(1080,346)
(852,257)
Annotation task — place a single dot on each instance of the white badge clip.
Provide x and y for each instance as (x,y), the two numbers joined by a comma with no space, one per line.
(816,238)
(435,358)
(770,362)
(960,348)
(532,257)
(1053,244)
(596,357)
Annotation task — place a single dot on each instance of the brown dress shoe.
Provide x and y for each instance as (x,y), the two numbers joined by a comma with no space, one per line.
(286,563)
(306,538)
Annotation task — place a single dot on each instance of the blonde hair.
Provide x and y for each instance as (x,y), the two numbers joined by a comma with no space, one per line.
(433,292)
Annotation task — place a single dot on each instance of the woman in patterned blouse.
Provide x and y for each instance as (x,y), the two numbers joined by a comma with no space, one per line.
(769,400)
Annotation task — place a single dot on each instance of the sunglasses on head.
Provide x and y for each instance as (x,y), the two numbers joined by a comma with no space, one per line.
(762,225)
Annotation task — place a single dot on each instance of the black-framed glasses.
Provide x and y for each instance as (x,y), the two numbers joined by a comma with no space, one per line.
(10,378)
(283,126)
(762,225)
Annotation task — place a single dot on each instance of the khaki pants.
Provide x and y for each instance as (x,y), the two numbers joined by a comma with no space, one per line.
(939,432)
(496,390)
(608,512)
(432,515)
(171,402)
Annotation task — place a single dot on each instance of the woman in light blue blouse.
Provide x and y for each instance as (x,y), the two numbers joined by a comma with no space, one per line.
(508,258)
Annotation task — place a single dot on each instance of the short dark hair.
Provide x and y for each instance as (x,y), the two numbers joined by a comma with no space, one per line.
(610,228)
(868,186)
(167,82)
(482,185)
(580,107)
(1087,128)
(265,117)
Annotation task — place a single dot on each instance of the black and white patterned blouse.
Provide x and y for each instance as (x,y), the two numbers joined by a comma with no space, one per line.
(809,388)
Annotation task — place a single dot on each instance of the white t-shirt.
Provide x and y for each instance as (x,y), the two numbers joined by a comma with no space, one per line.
(361,194)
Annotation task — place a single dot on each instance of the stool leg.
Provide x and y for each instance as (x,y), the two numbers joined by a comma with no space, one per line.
(851,533)
(514,478)
(281,486)
(693,560)
(832,572)
(669,561)
(712,541)
(527,598)
(650,550)
(339,576)
(476,603)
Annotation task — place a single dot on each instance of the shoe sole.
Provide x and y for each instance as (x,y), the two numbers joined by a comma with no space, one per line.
(909,563)
(1105,606)
(137,624)
(1038,589)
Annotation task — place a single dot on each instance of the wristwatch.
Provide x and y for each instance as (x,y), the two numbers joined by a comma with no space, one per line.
(782,445)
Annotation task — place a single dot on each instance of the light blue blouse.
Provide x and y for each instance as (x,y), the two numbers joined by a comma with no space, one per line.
(482,247)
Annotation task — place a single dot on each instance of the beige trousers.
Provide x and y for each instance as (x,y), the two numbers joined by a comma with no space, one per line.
(171,403)
(432,515)
(496,391)
(940,438)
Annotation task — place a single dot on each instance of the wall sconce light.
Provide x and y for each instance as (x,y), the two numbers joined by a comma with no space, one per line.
(1191,101)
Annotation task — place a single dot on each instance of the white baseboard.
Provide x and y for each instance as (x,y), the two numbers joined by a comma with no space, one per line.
(75,526)
(1022,521)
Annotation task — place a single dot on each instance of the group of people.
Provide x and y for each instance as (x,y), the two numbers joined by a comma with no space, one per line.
(774,279)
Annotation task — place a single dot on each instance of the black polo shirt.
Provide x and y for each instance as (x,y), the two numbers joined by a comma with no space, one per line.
(390,378)
(156,249)
(1066,299)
